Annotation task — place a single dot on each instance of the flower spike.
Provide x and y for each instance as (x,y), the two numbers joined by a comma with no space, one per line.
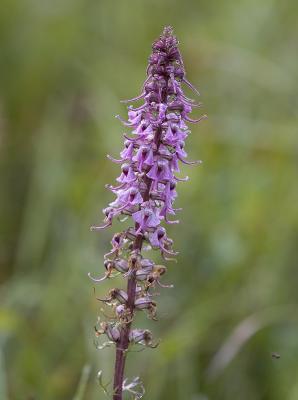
(146,190)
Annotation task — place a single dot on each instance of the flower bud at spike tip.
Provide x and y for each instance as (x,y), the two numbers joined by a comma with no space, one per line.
(145,193)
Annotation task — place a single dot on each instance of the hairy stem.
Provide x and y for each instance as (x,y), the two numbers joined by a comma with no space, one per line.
(123,343)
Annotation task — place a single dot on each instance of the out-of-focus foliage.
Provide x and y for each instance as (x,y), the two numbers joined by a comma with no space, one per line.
(64,67)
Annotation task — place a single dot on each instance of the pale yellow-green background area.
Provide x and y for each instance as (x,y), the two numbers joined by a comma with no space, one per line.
(65,65)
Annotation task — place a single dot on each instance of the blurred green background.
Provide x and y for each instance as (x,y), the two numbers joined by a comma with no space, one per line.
(64,67)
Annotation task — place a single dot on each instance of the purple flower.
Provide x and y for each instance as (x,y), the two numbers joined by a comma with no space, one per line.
(147,219)
(146,192)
